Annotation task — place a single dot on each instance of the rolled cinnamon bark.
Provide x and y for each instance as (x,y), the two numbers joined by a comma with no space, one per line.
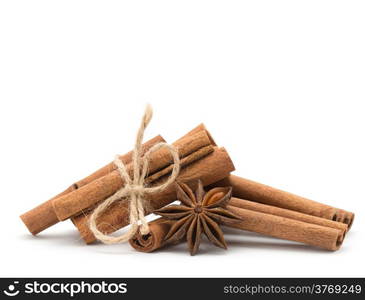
(254,191)
(155,239)
(209,169)
(263,219)
(288,229)
(290,214)
(44,216)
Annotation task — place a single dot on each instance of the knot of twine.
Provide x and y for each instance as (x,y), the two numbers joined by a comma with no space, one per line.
(135,189)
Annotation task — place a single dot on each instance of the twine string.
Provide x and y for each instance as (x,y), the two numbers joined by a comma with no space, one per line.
(134,189)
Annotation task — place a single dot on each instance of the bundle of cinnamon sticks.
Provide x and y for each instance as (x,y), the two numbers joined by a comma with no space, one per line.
(261,208)
(200,158)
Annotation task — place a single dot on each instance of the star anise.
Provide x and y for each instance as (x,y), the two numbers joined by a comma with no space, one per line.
(198,213)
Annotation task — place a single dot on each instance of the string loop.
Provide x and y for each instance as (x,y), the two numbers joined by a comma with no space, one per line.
(134,188)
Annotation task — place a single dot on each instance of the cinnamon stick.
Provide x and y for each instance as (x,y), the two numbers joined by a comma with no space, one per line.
(263,219)
(284,228)
(153,240)
(254,191)
(290,214)
(209,169)
(44,216)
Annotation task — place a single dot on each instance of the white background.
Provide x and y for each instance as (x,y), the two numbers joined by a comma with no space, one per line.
(280,84)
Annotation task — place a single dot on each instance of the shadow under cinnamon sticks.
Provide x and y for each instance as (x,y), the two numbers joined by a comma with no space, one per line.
(263,219)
